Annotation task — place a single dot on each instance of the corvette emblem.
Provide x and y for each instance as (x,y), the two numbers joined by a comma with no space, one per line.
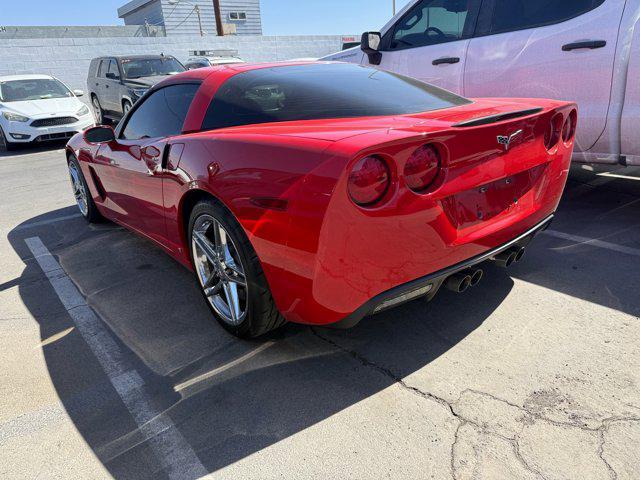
(506,141)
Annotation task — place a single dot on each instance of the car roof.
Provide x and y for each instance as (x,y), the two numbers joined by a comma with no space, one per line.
(8,78)
(225,71)
(133,57)
(229,70)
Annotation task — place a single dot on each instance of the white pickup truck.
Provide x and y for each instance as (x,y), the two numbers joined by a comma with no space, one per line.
(587,51)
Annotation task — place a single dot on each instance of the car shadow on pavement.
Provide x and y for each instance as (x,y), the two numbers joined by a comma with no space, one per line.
(592,249)
(31,148)
(227,398)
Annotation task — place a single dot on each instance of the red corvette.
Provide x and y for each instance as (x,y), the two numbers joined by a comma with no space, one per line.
(320,193)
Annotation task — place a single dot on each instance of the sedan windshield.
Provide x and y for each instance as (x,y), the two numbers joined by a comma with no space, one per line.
(150,67)
(38,89)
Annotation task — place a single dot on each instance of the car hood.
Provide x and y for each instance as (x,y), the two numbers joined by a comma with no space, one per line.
(144,82)
(50,106)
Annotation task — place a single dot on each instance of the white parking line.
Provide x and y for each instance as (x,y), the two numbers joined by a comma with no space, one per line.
(617,175)
(47,222)
(593,242)
(174,453)
(216,371)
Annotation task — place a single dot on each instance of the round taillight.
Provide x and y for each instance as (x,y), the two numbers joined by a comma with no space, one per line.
(422,168)
(569,129)
(553,133)
(369,180)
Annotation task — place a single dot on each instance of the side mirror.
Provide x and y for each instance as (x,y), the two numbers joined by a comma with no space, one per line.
(78,93)
(370,44)
(99,134)
(112,76)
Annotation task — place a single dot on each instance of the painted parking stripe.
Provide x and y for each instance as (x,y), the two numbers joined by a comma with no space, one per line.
(47,222)
(618,175)
(174,453)
(593,242)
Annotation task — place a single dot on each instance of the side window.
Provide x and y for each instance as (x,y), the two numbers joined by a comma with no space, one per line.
(510,15)
(112,71)
(162,114)
(102,68)
(435,21)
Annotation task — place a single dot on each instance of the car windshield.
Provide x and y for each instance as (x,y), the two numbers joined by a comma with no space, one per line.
(150,67)
(37,89)
(321,91)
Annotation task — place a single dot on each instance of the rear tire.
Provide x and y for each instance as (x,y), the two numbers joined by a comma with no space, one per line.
(82,194)
(257,313)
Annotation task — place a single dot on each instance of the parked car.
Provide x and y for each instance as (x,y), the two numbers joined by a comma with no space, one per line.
(364,189)
(115,84)
(204,62)
(39,108)
(582,50)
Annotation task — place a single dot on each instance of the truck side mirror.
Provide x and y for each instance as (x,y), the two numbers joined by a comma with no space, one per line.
(370,44)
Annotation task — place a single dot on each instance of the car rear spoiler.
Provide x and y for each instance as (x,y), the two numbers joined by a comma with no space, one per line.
(475,122)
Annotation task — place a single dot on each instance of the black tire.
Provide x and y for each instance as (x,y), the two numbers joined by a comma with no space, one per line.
(262,314)
(5,145)
(126,106)
(92,214)
(98,112)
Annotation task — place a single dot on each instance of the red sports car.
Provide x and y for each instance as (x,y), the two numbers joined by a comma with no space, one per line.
(321,193)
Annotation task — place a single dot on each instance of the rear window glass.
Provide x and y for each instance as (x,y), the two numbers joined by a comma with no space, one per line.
(309,92)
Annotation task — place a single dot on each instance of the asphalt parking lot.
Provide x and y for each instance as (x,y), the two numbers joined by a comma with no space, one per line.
(112,368)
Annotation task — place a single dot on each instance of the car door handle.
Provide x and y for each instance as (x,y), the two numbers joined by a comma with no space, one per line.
(443,60)
(590,44)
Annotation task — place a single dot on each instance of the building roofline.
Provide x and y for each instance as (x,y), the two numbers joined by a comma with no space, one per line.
(131,6)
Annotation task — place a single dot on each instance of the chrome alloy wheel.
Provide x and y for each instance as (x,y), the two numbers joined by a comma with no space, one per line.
(78,189)
(219,269)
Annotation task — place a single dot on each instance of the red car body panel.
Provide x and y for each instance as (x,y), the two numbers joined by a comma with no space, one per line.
(286,183)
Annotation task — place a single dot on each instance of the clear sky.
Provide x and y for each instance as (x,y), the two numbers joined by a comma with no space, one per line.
(279,17)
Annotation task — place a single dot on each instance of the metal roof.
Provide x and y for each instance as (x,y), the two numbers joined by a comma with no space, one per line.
(133,5)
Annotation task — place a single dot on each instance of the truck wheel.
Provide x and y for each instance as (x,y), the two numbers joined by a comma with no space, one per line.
(97,110)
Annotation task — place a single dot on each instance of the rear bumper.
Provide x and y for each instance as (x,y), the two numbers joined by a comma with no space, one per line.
(428,286)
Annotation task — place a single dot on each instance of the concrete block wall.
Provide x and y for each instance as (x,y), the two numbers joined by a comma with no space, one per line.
(68,58)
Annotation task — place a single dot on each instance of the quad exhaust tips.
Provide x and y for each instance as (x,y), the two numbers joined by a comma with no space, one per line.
(461,281)
(509,257)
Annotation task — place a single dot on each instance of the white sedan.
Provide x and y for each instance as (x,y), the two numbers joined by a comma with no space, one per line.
(39,108)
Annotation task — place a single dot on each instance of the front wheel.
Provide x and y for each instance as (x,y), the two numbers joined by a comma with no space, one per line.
(229,273)
(82,194)
(5,145)
(97,110)
(126,107)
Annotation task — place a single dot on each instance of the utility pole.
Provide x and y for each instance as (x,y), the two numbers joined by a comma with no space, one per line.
(197,9)
(394,7)
(216,11)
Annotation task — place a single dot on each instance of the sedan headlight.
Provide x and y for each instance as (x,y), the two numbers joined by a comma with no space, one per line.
(15,117)
(138,92)
(84,110)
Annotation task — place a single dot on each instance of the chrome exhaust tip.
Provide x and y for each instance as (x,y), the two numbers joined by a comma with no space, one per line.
(458,282)
(505,259)
(476,276)
(520,253)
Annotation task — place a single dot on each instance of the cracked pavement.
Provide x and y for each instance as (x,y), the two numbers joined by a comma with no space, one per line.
(533,374)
